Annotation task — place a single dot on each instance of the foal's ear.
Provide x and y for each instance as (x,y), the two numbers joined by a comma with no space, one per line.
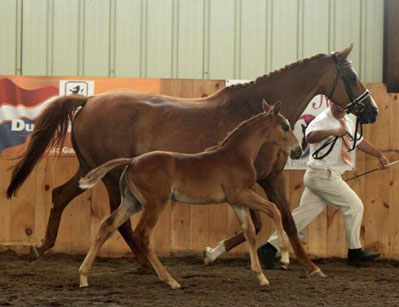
(343,54)
(265,106)
(277,107)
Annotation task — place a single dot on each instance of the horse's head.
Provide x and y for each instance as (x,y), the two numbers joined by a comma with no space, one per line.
(343,86)
(282,132)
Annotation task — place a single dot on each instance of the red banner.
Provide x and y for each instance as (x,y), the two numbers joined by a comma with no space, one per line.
(23,98)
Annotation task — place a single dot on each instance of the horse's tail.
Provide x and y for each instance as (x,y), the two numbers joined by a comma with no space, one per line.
(95,175)
(50,130)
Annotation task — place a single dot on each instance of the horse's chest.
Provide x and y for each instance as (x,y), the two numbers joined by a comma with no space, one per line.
(270,162)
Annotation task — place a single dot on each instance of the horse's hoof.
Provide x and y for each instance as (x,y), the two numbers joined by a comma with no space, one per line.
(317,272)
(34,253)
(285,266)
(207,256)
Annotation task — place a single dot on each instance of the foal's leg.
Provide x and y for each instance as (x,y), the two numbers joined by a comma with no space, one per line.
(224,246)
(275,189)
(152,211)
(253,201)
(248,230)
(61,196)
(125,229)
(107,228)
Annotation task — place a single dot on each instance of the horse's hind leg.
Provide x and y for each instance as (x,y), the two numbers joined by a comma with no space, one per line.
(61,196)
(275,189)
(248,229)
(224,246)
(152,211)
(125,229)
(108,226)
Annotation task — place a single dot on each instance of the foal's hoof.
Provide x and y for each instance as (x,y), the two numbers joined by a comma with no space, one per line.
(174,285)
(207,255)
(83,281)
(317,272)
(34,253)
(263,280)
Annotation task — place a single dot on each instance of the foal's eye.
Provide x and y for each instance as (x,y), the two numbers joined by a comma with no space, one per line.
(286,126)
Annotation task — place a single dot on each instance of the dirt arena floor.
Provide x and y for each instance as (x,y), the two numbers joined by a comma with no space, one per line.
(54,281)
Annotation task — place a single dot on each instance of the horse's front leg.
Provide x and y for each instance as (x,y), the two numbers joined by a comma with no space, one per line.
(224,246)
(275,189)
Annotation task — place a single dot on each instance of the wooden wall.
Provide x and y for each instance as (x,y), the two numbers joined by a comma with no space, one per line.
(189,229)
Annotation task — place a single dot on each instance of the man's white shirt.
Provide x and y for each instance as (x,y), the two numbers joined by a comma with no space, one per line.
(333,161)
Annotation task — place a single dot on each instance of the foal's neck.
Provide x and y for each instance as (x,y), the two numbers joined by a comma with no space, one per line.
(247,139)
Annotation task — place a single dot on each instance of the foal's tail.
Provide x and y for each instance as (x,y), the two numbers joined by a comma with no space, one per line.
(50,130)
(95,175)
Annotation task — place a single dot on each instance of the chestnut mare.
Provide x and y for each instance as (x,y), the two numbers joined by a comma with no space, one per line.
(223,173)
(105,122)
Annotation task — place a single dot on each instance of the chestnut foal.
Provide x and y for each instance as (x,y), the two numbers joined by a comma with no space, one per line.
(224,173)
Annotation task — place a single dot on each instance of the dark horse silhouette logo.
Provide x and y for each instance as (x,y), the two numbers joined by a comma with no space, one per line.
(75,90)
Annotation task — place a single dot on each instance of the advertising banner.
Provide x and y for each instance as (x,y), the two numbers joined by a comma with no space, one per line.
(23,98)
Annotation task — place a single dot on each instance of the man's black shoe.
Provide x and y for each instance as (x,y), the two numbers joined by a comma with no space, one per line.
(358,256)
(266,255)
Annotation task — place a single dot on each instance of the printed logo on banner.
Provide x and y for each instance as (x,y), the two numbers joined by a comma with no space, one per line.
(81,87)
(18,109)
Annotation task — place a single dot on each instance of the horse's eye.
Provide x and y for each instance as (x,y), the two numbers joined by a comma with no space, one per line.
(352,78)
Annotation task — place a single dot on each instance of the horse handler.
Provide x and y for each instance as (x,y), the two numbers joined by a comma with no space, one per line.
(324,185)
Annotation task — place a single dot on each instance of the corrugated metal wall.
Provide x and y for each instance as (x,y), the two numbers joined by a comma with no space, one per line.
(216,39)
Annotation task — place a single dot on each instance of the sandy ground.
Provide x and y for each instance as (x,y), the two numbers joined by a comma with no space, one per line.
(53,281)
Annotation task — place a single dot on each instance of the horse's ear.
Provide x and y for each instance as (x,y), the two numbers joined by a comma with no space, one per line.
(277,107)
(265,106)
(343,54)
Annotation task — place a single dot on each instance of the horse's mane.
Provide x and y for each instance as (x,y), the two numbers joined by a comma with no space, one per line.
(235,130)
(274,74)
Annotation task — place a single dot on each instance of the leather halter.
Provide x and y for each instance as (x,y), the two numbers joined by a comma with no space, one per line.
(355,106)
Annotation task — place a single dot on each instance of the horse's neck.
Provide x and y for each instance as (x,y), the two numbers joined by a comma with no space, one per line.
(295,87)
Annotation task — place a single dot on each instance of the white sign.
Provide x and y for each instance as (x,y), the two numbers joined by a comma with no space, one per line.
(231,82)
(81,87)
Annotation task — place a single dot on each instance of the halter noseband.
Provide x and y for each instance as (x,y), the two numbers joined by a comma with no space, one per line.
(355,106)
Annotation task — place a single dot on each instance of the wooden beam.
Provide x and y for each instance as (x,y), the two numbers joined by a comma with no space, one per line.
(391,45)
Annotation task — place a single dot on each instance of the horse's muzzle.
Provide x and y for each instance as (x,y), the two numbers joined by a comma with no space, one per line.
(296,153)
(368,116)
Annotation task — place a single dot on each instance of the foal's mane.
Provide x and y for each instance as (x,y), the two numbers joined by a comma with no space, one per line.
(275,74)
(240,126)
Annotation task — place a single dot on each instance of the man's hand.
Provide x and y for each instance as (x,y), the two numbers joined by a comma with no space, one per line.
(341,131)
(383,161)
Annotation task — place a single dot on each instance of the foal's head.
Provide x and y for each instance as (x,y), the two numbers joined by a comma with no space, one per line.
(280,132)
